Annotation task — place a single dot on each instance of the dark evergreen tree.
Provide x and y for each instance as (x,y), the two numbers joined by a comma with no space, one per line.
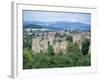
(85,46)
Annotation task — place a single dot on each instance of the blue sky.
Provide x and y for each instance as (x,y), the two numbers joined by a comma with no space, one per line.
(44,16)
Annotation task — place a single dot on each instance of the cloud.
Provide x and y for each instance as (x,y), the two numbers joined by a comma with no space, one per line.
(45,16)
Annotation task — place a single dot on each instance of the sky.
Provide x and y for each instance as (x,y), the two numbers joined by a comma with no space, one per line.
(44,16)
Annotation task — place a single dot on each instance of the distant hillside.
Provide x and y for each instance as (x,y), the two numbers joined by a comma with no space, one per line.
(33,26)
(71,25)
(58,25)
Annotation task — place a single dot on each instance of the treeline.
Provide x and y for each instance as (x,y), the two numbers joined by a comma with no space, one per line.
(74,56)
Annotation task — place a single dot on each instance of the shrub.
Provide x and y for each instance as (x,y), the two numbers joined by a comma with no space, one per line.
(50,50)
(27,41)
(85,46)
(69,38)
(72,58)
(27,58)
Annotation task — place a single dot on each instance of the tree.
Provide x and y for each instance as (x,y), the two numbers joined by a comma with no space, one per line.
(66,30)
(85,46)
(74,56)
(57,34)
(27,41)
(72,47)
(59,40)
(50,49)
(69,38)
(27,58)
(31,30)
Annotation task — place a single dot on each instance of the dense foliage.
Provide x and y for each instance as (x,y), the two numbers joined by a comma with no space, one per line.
(27,58)
(73,56)
(50,50)
(85,46)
